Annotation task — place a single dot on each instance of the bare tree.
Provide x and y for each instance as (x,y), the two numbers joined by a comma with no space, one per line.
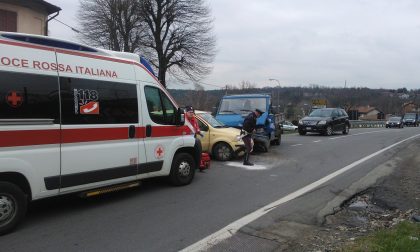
(111,24)
(179,38)
(175,35)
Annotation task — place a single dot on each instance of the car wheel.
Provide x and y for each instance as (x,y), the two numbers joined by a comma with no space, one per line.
(182,170)
(302,132)
(346,129)
(266,146)
(13,205)
(328,131)
(276,142)
(222,152)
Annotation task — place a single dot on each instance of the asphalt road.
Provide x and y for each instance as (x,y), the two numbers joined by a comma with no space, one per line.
(158,217)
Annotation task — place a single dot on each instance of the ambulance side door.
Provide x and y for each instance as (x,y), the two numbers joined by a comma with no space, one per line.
(100,123)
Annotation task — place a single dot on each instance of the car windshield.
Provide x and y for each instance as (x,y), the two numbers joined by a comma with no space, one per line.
(242,105)
(395,119)
(410,116)
(321,113)
(212,121)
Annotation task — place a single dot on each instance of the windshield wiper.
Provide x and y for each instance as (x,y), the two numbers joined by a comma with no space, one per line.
(247,110)
(229,111)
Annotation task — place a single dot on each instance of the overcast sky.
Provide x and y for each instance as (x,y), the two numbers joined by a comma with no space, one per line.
(365,43)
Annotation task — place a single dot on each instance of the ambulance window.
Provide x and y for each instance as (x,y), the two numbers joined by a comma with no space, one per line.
(98,102)
(160,108)
(28,96)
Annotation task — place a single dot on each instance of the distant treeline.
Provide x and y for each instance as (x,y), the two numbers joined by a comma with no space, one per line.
(296,101)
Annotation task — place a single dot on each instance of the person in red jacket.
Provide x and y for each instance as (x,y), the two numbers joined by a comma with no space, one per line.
(192,123)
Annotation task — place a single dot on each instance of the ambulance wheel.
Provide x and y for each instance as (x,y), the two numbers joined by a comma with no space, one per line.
(222,152)
(182,170)
(13,206)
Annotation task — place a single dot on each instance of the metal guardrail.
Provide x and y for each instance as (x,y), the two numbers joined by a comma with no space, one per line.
(367,124)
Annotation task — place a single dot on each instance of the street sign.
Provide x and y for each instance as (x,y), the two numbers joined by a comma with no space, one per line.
(319,102)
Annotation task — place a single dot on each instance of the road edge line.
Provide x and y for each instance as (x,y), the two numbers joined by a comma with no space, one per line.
(229,230)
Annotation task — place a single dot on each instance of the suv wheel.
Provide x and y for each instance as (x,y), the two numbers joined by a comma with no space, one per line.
(346,129)
(329,130)
(302,132)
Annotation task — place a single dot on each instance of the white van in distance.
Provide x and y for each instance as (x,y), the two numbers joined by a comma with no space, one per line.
(75,118)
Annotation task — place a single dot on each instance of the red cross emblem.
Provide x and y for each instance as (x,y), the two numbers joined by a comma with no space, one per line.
(14,99)
(159,151)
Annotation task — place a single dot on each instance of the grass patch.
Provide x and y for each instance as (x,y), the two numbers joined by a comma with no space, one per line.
(404,237)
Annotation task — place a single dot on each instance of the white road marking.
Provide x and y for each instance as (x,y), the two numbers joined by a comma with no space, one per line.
(296,145)
(247,167)
(363,133)
(317,141)
(232,228)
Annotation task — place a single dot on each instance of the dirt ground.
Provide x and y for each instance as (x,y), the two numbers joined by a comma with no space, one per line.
(390,201)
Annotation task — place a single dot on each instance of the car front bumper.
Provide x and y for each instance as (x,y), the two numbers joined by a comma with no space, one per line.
(393,125)
(312,128)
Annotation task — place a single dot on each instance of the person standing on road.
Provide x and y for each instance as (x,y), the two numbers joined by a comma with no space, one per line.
(249,125)
(195,129)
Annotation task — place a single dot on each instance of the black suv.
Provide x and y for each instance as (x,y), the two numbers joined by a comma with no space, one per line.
(325,121)
(411,119)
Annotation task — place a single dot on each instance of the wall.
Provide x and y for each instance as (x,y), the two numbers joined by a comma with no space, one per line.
(28,21)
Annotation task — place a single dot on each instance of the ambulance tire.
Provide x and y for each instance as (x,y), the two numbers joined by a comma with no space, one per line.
(13,205)
(182,170)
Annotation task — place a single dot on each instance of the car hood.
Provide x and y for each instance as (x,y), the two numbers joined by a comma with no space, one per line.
(307,118)
(230,131)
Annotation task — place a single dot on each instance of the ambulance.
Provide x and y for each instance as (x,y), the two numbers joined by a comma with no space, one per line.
(74,118)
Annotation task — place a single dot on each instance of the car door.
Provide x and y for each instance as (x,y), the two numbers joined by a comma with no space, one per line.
(206,138)
(335,116)
(340,120)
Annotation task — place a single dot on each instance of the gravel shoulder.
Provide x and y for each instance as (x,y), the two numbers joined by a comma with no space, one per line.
(391,200)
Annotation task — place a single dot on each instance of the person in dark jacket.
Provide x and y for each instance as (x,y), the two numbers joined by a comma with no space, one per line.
(249,125)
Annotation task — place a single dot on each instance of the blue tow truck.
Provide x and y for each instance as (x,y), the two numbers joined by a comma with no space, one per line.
(233,109)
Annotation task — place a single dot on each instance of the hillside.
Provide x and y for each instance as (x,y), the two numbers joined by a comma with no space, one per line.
(294,101)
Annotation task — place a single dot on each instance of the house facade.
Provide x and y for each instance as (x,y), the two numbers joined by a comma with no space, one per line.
(26,16)
(365,113)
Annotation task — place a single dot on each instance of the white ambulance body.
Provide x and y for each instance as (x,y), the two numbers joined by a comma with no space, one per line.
(74,118)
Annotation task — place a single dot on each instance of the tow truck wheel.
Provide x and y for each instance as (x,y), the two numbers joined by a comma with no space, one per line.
(182,170)
(13,205)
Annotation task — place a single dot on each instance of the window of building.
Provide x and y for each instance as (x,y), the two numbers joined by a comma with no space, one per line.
(29,96)
(8,21)
(98,102)
(160,107)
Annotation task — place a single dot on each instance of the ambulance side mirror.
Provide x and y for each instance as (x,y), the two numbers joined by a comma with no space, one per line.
(180,117)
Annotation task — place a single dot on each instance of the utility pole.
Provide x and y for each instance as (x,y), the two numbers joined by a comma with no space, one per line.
(278,93)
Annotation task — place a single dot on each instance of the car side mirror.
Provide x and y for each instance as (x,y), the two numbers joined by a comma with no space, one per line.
(180,117)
